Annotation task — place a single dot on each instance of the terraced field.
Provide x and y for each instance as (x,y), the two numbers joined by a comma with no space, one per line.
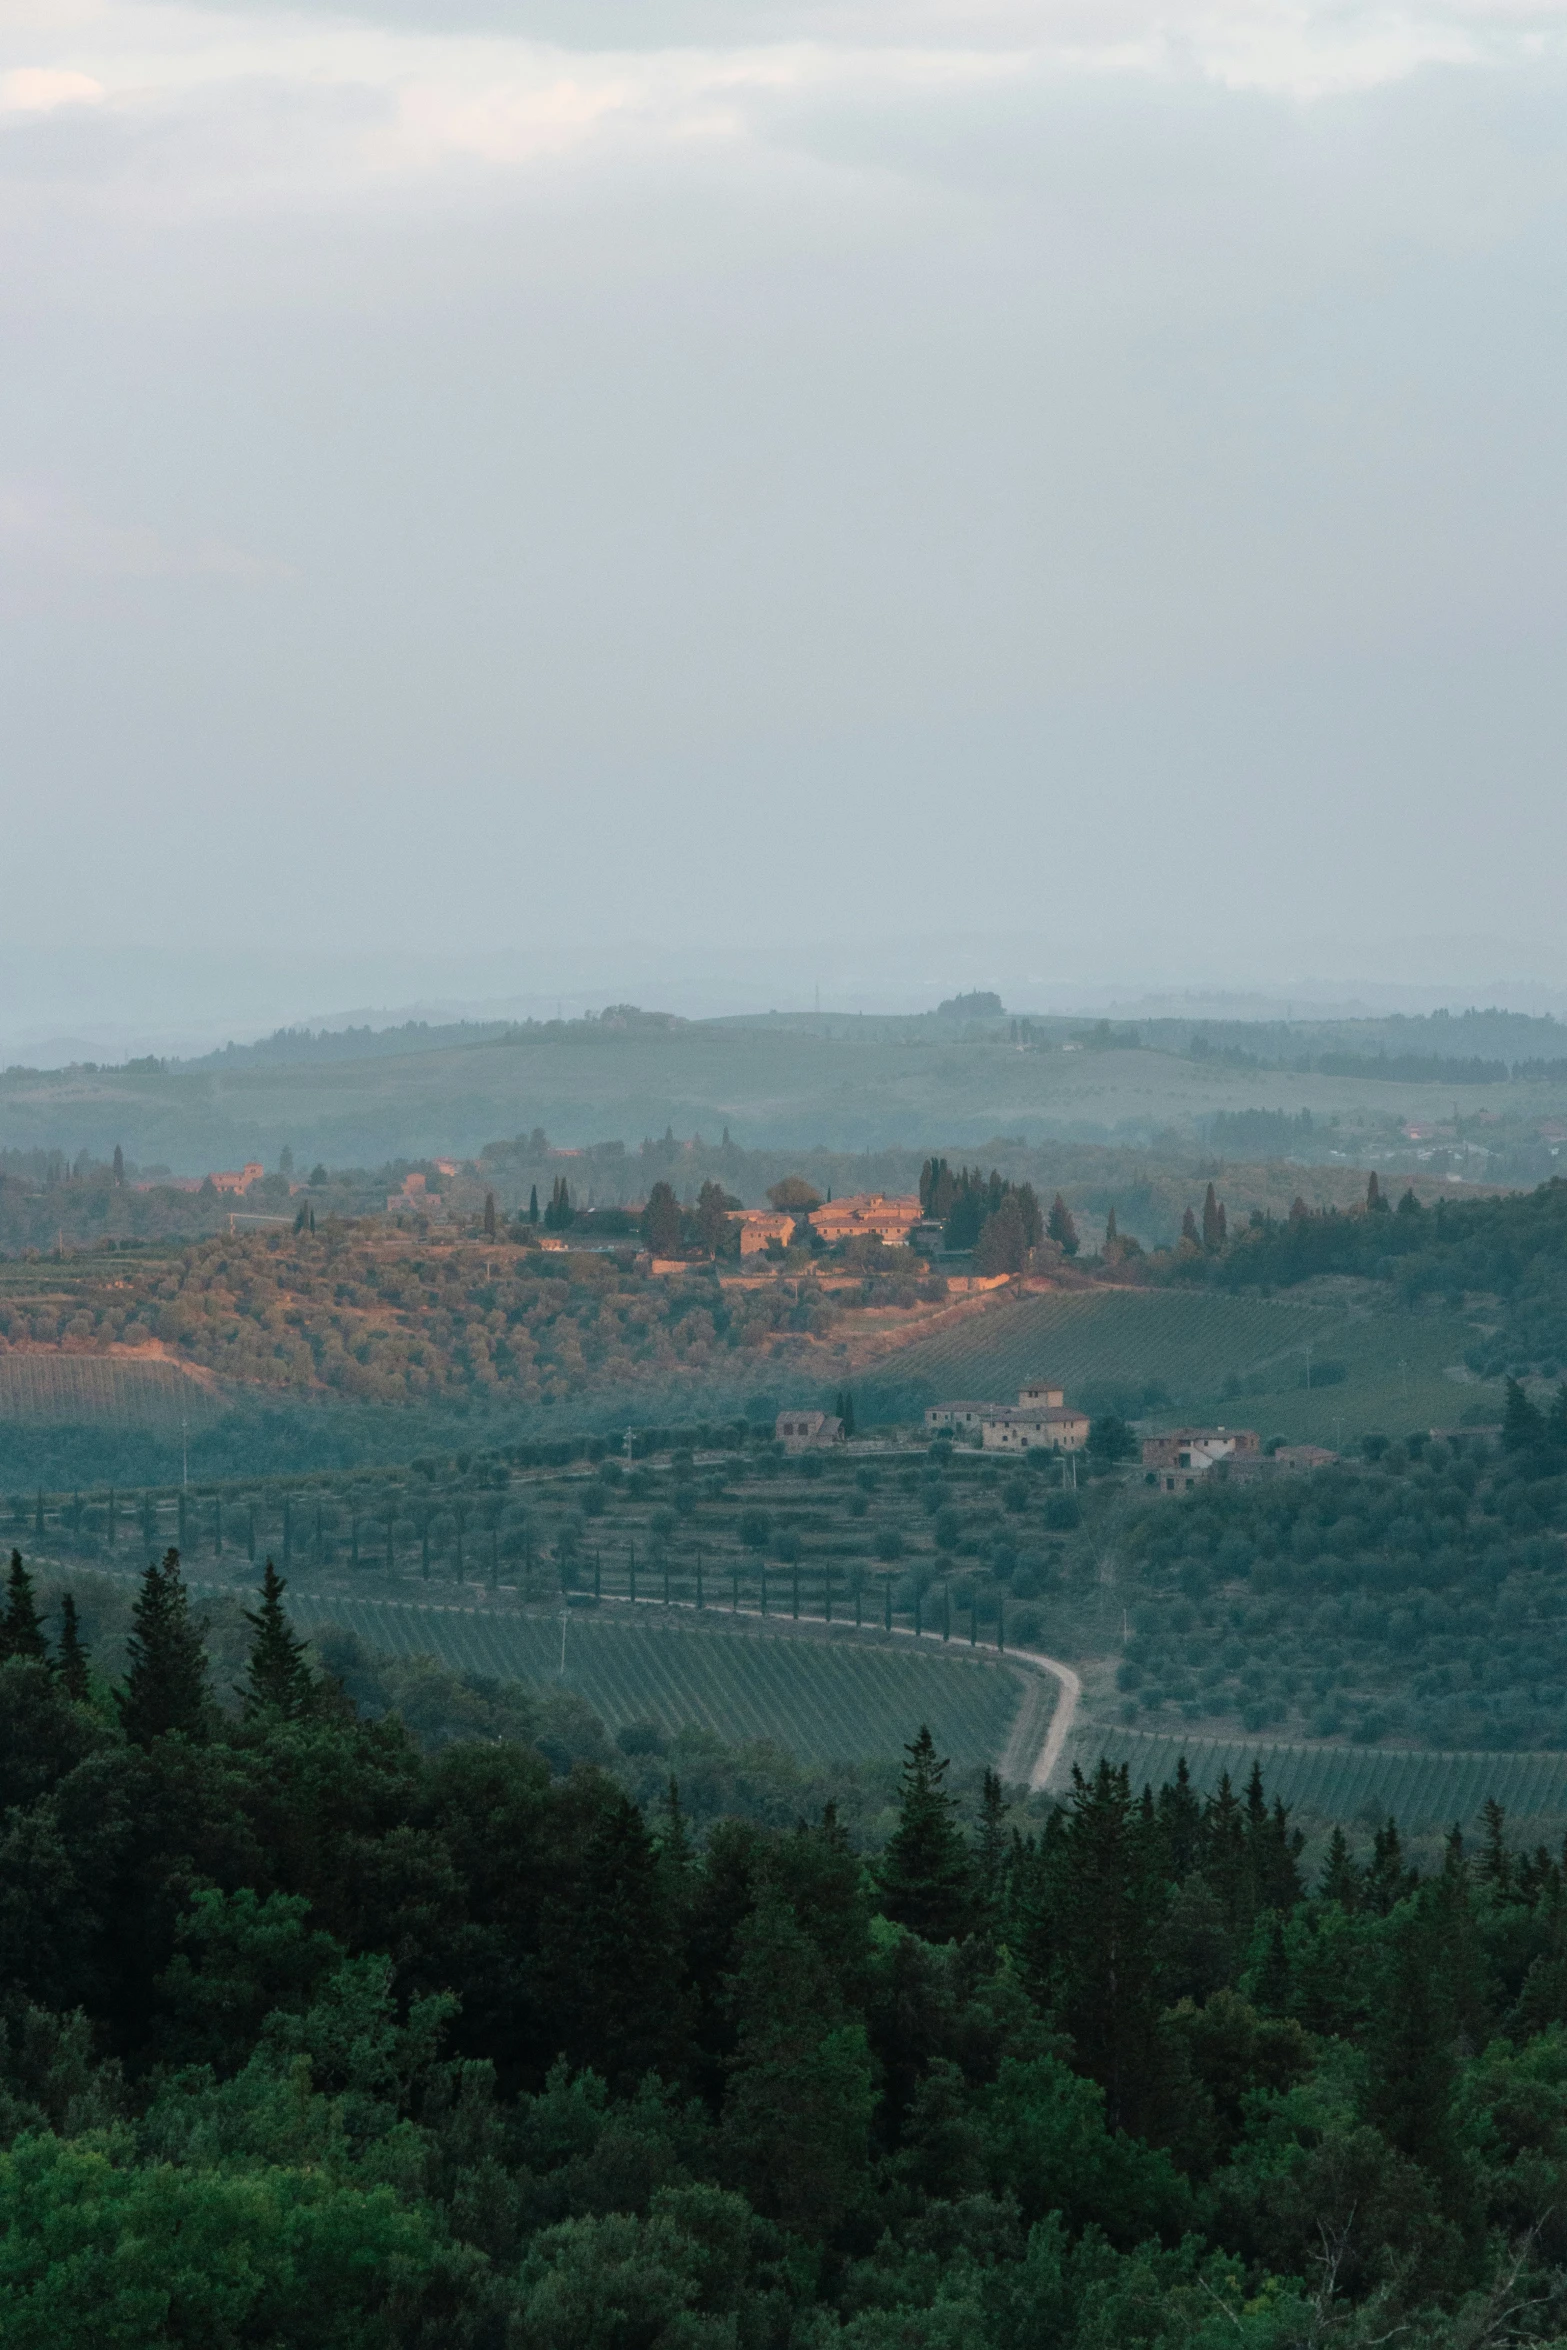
(45,1387)
(1189,1345)
(825,1700)
(1421,1791)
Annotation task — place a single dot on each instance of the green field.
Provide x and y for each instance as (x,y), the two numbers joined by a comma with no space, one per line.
(1421,1791)
(826,1701)
(1191,1344)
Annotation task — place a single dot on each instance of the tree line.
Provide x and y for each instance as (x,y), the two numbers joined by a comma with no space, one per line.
(308,2037)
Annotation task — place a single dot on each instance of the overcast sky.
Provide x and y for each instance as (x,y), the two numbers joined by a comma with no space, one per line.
(493,495)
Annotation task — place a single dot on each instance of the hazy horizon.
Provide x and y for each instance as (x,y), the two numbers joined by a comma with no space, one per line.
(504,502)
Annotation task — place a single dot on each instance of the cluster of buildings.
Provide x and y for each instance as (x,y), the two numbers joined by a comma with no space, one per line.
(863,1215)
(1040,1420)
(416,1198)
(1184,1457)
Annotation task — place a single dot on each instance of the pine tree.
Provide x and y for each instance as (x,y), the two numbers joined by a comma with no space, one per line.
(1272,1991)
(21,1634)
(1496,1861)
(1060,1228)
(71,1658)
(166,1688)
(1340,1878)
(277,1678)
(1110,1901)
(927,1879)
(1178,1820)
(990,1848)
(1387,1879)
(1411,2043)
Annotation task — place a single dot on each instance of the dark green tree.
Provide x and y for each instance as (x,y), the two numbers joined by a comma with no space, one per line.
(661,1221)
(166,1687)
(1001,1247)
(1109,1905)
(927,1876)
(1412,2044)
(71,1656)
(21,1634)
(990,1849)
(1110,1439)
(277,1678)
(119,1165)
(533,1204)
(1213,1222)
(1523,1425)
(489,1215)
(1060,1228)
(713,1210)
(1556,1417)
(801,2088)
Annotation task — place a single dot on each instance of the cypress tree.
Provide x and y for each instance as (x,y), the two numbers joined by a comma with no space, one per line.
(21,1634)
(166,1688)
(927,1878)
(533,1204)
(489,1215)
(71,1660)
(277,1678)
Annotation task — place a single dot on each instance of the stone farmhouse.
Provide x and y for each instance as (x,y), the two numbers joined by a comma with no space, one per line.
(760,1225)
(806,1431)
(1040,1420)
(867,1215)
(1176,1462)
